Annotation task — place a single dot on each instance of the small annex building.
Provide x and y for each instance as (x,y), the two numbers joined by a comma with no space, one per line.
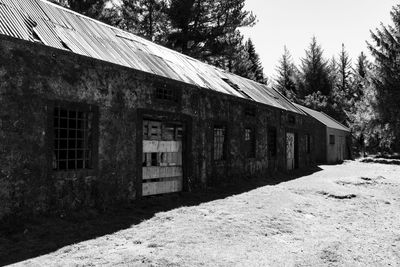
(91,116)
(335,136)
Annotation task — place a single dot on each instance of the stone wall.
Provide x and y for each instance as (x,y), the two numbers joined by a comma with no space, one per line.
(33,77)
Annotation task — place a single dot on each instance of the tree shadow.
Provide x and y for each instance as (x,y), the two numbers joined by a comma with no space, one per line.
(40,236)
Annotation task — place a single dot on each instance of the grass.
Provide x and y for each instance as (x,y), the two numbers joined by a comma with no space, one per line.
(41,235)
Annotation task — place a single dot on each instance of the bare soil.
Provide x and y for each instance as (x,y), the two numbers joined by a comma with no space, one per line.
(343,215)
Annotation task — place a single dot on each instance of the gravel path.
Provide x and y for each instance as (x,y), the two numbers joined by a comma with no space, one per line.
(344,215)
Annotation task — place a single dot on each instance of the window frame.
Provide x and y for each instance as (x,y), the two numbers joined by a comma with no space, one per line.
(51,138)
(291,119)
(275,147)
(250,111)
(332,140)
(250,146)
(175,96)
(308,143)
(215,126)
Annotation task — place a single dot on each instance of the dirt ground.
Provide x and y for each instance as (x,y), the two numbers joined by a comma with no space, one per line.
(343,215)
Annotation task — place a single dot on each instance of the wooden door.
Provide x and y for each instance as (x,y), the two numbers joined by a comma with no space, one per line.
(162,158)
(290,151)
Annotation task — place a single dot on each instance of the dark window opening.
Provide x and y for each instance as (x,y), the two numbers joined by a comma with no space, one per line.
(163,92)
(292,119)
(331,139)
(157,130)
(219,143)
(154,159)
(272,147)
(151,130)
(250,143)
(73,137)
(308,143)
(251,112)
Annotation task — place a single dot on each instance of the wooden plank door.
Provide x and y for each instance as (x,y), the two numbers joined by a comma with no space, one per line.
(290,153)
(162,171)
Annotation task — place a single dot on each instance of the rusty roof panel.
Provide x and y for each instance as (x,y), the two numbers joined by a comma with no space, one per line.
(61,28)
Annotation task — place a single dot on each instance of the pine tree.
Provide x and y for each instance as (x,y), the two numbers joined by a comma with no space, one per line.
(360,76)
(344,67)
(146,18)
(286,79)
(256,72)
(342,98)
(386,79)
(235,59)
(314,72)
(200,27)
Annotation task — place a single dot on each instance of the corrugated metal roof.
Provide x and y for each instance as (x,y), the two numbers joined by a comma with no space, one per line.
(324,118)
(55,26)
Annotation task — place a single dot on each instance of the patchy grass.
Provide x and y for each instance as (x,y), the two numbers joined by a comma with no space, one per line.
(389,161)
(330,218)
(21,240)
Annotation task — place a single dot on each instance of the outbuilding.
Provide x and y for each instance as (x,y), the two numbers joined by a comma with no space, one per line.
(334,137)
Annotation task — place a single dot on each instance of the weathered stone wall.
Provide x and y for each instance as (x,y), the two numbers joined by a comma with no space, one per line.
(33,76)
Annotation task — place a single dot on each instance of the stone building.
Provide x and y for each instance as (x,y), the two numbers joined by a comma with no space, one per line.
(91,116)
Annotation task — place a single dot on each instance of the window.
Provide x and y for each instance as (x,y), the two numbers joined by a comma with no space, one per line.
(73,139)
(166,93)
(331,139)
(151,130)
(219,143)
(163,156)
(308,144)
(272,148)
(251,112)
(250,144)
(291,119)
(157,130)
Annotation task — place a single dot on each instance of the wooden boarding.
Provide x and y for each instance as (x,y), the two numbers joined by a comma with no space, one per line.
(161,172)
(158,188)
(153,146)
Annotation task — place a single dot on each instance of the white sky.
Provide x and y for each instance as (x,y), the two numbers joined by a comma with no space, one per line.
(294,22)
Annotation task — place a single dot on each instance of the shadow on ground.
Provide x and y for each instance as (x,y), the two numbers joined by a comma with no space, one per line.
(47,234)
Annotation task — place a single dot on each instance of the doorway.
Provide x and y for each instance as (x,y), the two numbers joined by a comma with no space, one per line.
(290,151)
(162,168)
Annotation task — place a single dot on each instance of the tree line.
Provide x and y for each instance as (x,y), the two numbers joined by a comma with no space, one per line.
(362,95)
(204,29)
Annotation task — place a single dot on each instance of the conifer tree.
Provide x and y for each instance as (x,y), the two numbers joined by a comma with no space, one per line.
(314,72)
(344,67)
(286,79)
(386,78)
(200,27)
(360,75)
(146,18)
(342,98)
(256,72)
